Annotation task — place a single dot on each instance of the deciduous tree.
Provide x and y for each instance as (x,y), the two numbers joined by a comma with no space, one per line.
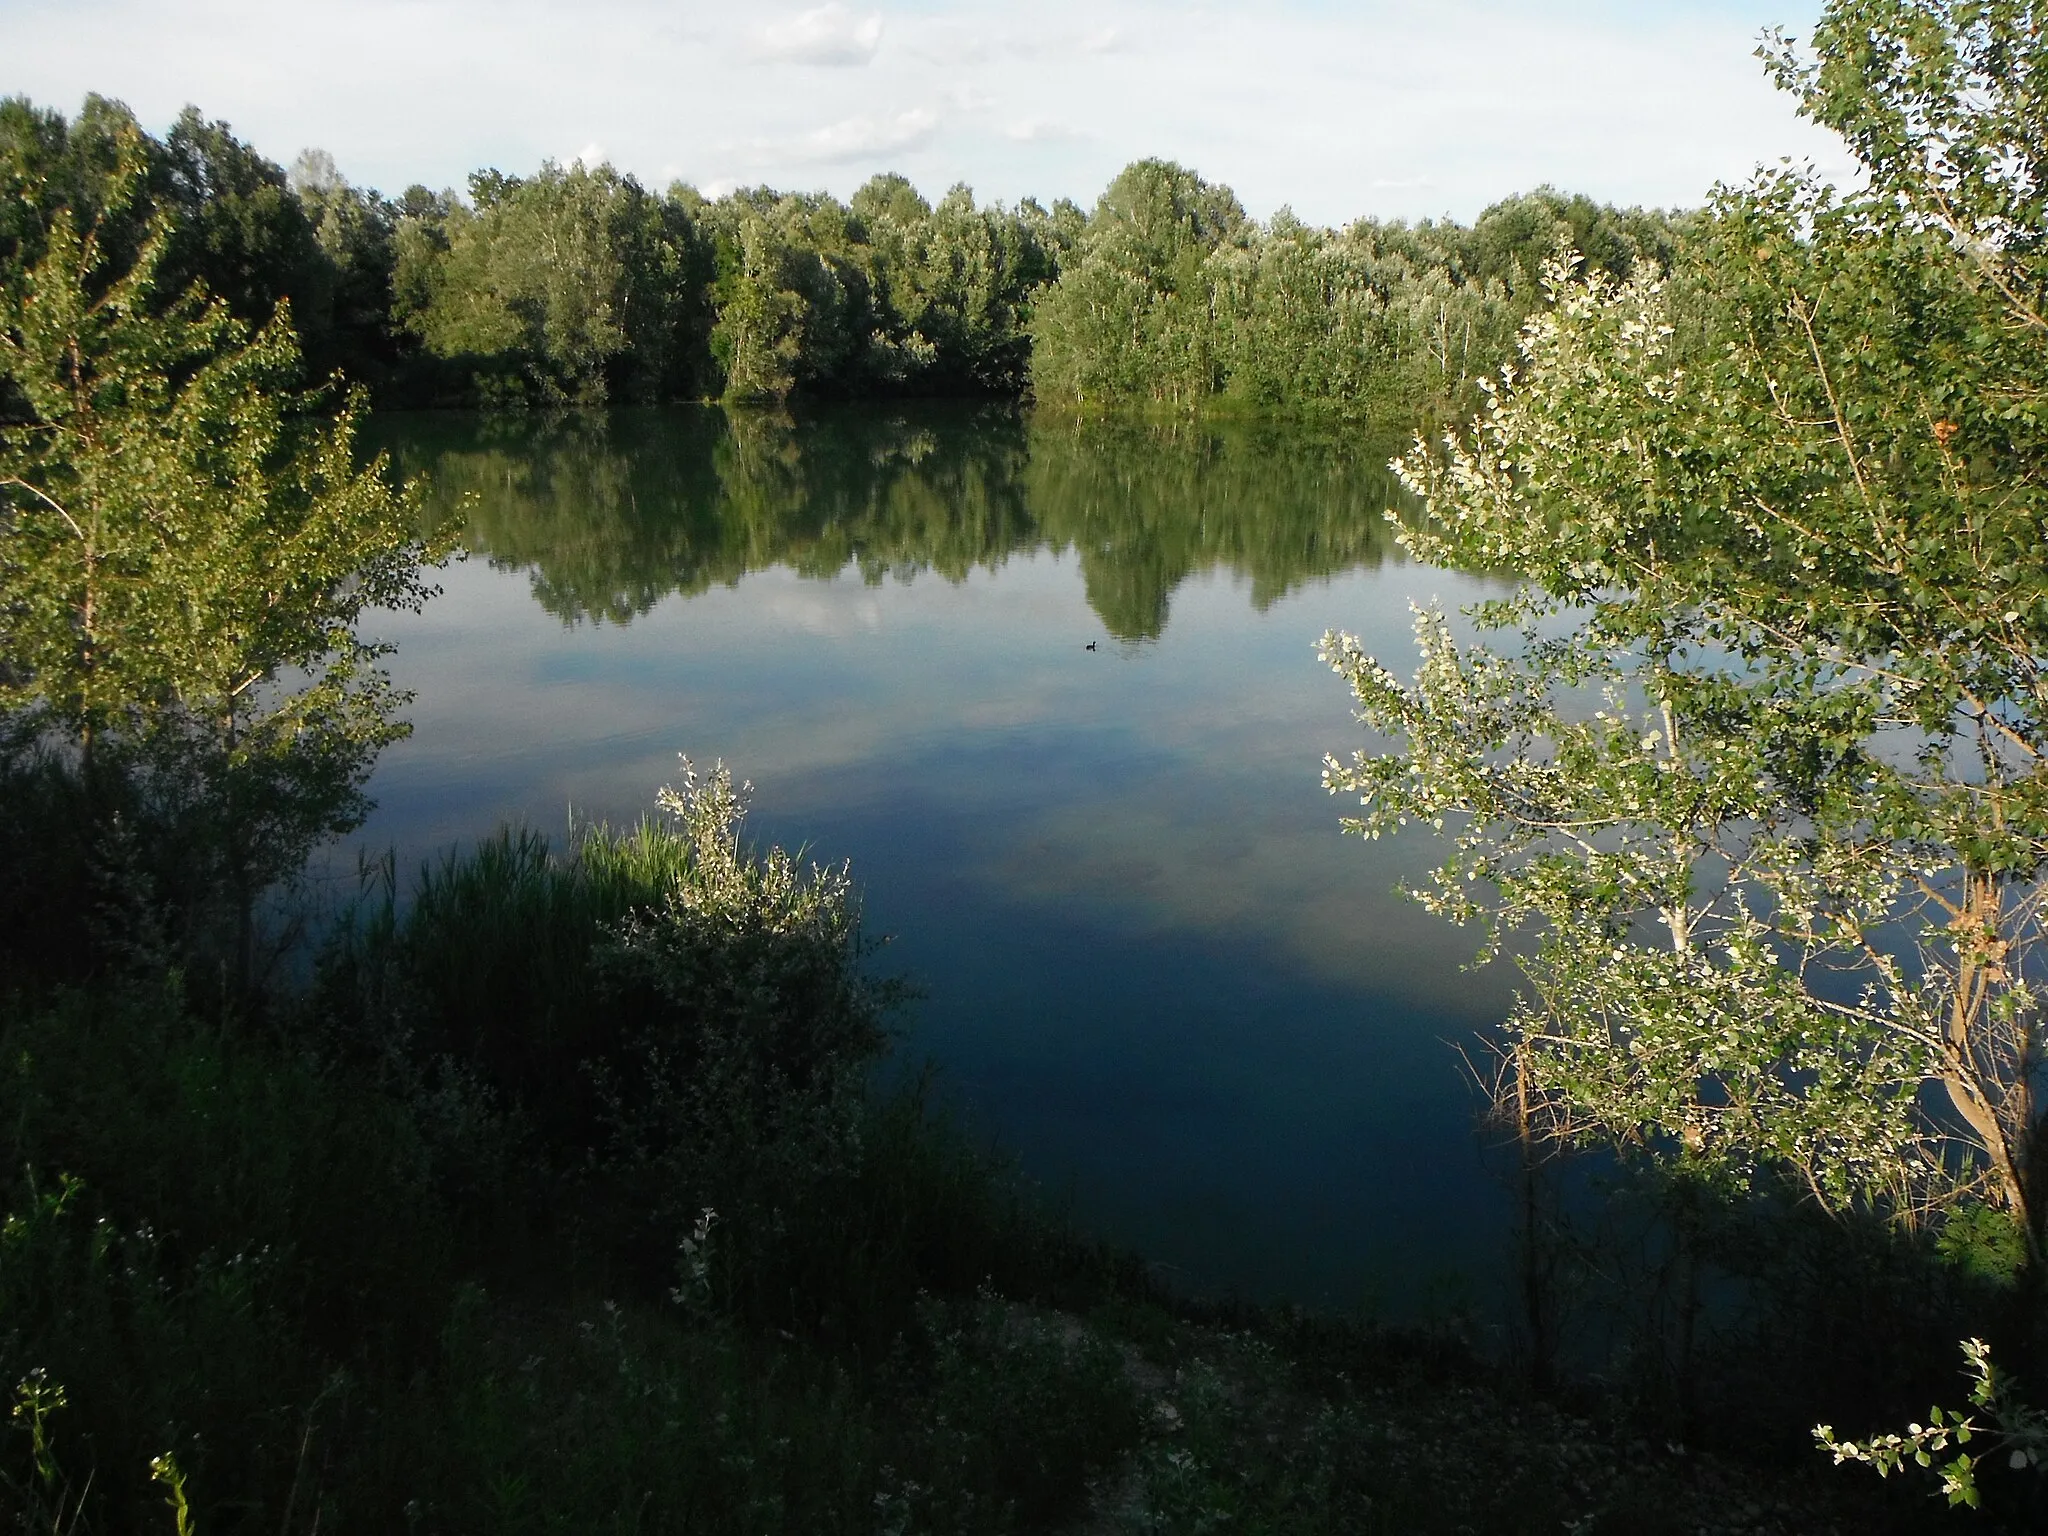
(1757,756)
(187,543)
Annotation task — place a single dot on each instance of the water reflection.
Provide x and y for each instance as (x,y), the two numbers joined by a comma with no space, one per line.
(611,515)
(1153,968)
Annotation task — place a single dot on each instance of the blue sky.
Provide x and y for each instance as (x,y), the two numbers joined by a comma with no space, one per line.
(1409,110)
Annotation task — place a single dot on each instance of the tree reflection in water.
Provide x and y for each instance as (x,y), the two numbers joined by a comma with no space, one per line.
(610,514)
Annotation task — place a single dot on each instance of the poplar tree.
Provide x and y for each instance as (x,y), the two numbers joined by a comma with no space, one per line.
(187,544)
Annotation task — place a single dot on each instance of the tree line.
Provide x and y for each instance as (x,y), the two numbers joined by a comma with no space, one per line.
(579,286)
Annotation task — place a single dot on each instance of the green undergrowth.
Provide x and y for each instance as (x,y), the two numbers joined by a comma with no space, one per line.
(563,1198)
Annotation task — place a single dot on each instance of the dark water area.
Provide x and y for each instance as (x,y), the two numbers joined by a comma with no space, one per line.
(1151,967)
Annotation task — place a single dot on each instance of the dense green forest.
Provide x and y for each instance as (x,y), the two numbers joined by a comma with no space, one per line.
(579,286)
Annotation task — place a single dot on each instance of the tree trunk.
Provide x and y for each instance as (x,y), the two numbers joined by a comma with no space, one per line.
(2000,1116)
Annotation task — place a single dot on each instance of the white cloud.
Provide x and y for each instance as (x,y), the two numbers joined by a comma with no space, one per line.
(945,43)
(967,98)
(590,157)
(865,138)
(1039,131)
(941,41)
(829,35)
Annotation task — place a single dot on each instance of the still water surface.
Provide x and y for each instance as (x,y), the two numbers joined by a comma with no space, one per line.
(1152,968)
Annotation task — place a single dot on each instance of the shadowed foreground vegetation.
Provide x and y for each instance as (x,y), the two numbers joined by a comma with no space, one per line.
(559,1198)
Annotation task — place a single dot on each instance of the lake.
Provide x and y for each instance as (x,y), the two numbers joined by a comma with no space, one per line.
(1051,687)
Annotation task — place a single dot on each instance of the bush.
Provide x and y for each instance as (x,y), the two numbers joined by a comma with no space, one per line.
(671,1020)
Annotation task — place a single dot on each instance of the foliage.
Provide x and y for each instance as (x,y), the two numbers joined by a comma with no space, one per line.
(183,529)
(51,164)
(2023,1430)
(1064,1401)
(769,1026)
(355,232)
(762,312)
(576,285)
(661,1023)
(274,1268)
(235,226)
(1770,808)
(884,295)
(1130,315)
(571,284)
(1748,773)
(1174,297)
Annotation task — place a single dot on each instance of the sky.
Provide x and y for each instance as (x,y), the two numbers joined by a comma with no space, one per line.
(1388,108)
